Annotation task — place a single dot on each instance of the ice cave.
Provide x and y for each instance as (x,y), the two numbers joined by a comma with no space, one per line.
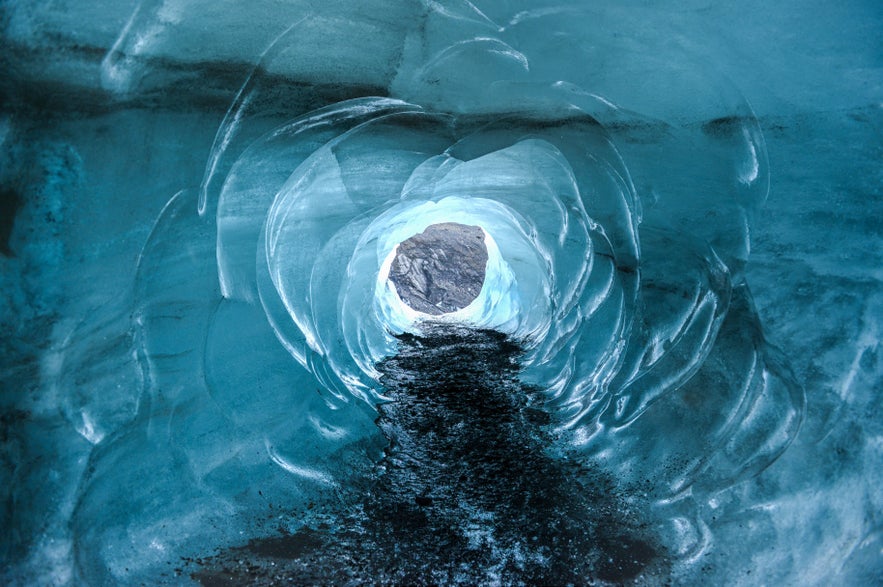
(441,292)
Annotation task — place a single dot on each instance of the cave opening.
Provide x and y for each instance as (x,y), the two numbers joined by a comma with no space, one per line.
(440,270)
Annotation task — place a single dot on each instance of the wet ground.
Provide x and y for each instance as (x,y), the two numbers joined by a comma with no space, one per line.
(471,490)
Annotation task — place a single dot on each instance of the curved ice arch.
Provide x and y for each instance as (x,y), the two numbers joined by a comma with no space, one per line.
(524,196)
(318,265)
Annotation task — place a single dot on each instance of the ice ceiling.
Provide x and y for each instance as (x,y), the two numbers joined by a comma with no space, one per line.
(201,203)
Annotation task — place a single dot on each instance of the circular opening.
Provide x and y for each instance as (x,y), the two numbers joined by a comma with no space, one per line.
(442,269)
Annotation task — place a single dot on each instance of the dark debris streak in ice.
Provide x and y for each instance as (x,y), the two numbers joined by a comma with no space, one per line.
(470,491)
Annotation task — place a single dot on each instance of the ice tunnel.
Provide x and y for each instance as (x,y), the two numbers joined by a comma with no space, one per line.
(441,292)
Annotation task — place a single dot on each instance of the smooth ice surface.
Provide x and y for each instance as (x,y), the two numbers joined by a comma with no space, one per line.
(198,201)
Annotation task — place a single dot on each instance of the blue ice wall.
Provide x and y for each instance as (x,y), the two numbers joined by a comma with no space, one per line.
(198,197)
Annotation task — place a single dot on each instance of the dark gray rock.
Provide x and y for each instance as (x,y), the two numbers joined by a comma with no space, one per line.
(442,269)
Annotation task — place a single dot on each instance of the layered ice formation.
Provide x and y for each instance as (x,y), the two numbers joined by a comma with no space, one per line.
(218,363)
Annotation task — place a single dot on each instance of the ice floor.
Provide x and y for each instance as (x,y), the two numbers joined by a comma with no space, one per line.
(157,407)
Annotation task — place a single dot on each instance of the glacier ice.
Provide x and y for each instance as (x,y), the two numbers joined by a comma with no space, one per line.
(200,203)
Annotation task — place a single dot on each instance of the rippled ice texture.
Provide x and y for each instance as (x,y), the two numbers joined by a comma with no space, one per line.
(198,198)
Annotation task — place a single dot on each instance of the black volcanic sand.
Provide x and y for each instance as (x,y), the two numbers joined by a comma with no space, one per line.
(468,491)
